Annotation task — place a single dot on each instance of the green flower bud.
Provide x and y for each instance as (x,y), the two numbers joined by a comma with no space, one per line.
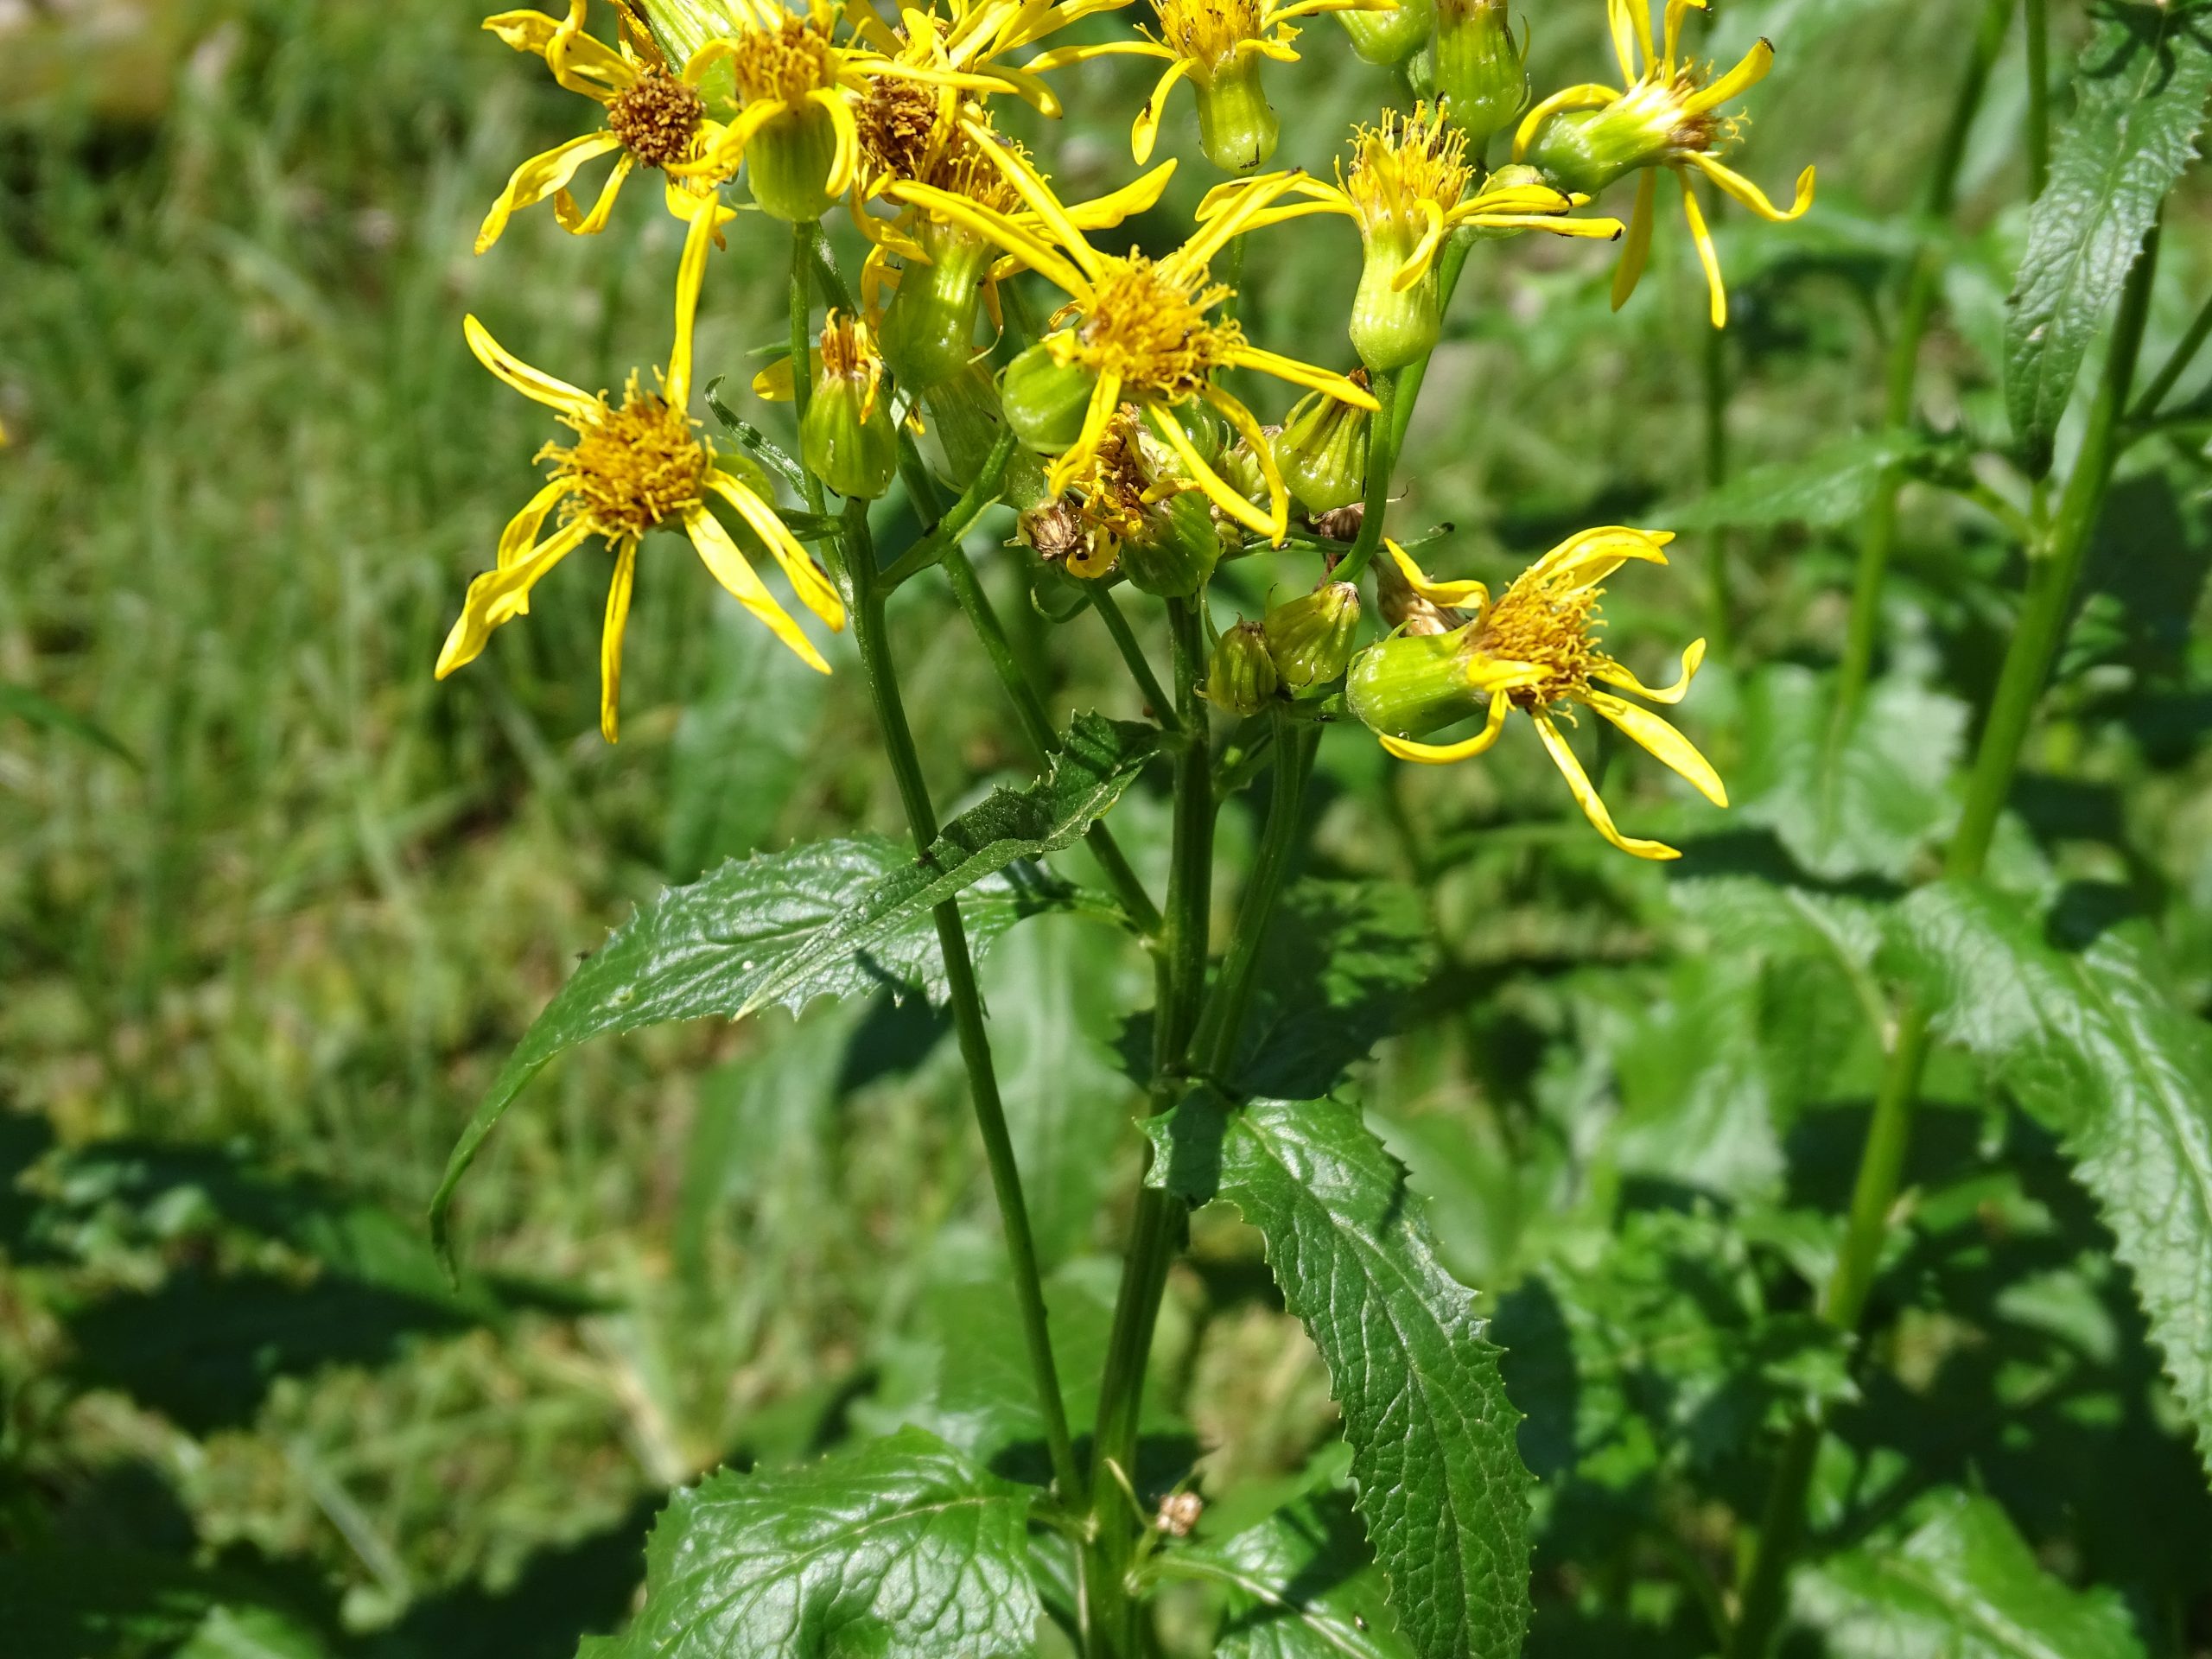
(1174,551)
(1392,327)
(848,438)
(1139,509)
(1045,399)
(1237,127)
(1481,72)
(929,329)
(1322,451)
(788,164)
(1389,38)
(1240,468)
(1310,638)
(1413,683)
(1241,676)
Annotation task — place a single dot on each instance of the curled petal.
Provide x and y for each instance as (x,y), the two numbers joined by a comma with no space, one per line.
(1613,674)
(521,534)
(1588,96)
(540,177)
(1751,69)
(1453,596)
(719,555)
(610,638)
(1144,133)
(1583,561)
(534,383)
(1662,742)
(807,581)
(501,595)
(1585,795)
(1708,255)
(1304,374)
(1440,754)
(591,224)
(1751,195)
(1218,491)
(1105,398)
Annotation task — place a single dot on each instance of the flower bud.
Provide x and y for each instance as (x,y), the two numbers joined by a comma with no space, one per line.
(1242,468)
(1310,638)
(847,438)
(1045,399)
(789,162)
(928,329)
(1241,676)
(1237,128)
(1389,38)
(1413,683)
(1481,72)
(1392,327)
(1174,548)
(1321,451)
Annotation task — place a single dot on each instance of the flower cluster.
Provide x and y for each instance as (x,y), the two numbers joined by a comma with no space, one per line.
(1118,425)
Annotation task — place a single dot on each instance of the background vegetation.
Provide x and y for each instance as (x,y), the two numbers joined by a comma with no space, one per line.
(273,905)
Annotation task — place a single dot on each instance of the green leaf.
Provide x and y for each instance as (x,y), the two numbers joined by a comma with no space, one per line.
(831,919)
(1865,805)
(2093,1043)
(1964,1586)
(1439,1484)
(1832,486)
(2142,79)
(898,1549)
(1301,1584)
(28,706)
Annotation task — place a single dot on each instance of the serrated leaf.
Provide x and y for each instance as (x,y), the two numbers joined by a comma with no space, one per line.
(1835,486)
(2142,79)
(1439,1483)
(900,1549)
(826,920)
(2094,1044)
(1964,1586)
(1866,804)
(1301,1584)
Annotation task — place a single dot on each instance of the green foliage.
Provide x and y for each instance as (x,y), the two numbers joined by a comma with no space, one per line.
(2090,1040)
(902,1549)
(1301,1586)
(1440,1487)
(1832,487)
(2145,75)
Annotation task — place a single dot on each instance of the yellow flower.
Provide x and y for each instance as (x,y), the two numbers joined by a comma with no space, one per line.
(654,118)
(1535,649)
(1406,190)
(970,37)
(1218,45)
(634,468)
(1586,137)
(1138,329)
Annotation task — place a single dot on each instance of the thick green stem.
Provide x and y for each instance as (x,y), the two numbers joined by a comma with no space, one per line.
(869,632)
(2054,570)
(1878,533)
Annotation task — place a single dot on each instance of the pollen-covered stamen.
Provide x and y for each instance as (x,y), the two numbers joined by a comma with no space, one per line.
(657,117)
(632,467)
(785,63)
(901,125)
(1553,631)
(1405,160)
(1208,31)
(1151,329)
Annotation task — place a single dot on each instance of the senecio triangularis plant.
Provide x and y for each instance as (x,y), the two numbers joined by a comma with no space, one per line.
(1005,345)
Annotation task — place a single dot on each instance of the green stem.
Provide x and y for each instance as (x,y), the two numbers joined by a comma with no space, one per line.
(1719,603)
(2055,569)
(1162,706)
(1878,532)
(2163,383)
(946,534)
(2037,16)
(871,635)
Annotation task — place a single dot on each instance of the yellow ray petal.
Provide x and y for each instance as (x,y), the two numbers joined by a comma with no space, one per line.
(996,226)
(1613,673)
(1671,42)
(1751,195)
(1708,255)
(591,224)
(498,595)
(1586,559)
(691,276)
(1060,56)
(1637,251)
(610,638)
(1424,254)
(1272,523)
(1140,196)
(521,533)
(1662,742)
(1596,229)
(1144,131)
(1629,21)
(1105,398)
(1304,374)
(846,159)
(1030,185)
(1451,594)
(584,58)
(1210,237)
(807,581)
(1745,75)
(1586,795)
(1441,754)
(540,177)
(719,555)
(534,383)
(1587,96)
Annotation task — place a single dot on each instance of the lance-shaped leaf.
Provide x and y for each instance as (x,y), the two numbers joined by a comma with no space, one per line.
(2143,79)
(1964,1586)
(1300,1584)
(2094,1044)
(900,1549)
(831,919)
(1441,1484)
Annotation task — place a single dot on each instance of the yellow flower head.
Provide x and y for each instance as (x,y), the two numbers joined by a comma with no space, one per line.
(1535,649)
(1668,117)
(1218,45)
(964,42)
(634,467)
(1141,327)
(656,118)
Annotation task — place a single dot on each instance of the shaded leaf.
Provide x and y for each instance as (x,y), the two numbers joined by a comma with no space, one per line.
(2094,1044)
(1301,1584)
(2142,79)
(829,920)
(1439,1484)
(1835,486)
(898,1549)
(1964,1586)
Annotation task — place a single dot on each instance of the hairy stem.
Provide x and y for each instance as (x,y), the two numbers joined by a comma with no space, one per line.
(1879,531)
(2054,569)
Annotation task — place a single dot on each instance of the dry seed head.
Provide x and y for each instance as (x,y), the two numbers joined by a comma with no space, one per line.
(634,468)
(1405,160)
(900,125)
(1208,31)
(787,62)
(1151,329)
(657,117)
(1054,531)
(1555,632)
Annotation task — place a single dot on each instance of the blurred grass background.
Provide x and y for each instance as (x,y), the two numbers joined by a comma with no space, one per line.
(252,467)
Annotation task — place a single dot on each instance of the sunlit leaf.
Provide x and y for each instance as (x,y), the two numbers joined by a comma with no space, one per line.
(1300,1584)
